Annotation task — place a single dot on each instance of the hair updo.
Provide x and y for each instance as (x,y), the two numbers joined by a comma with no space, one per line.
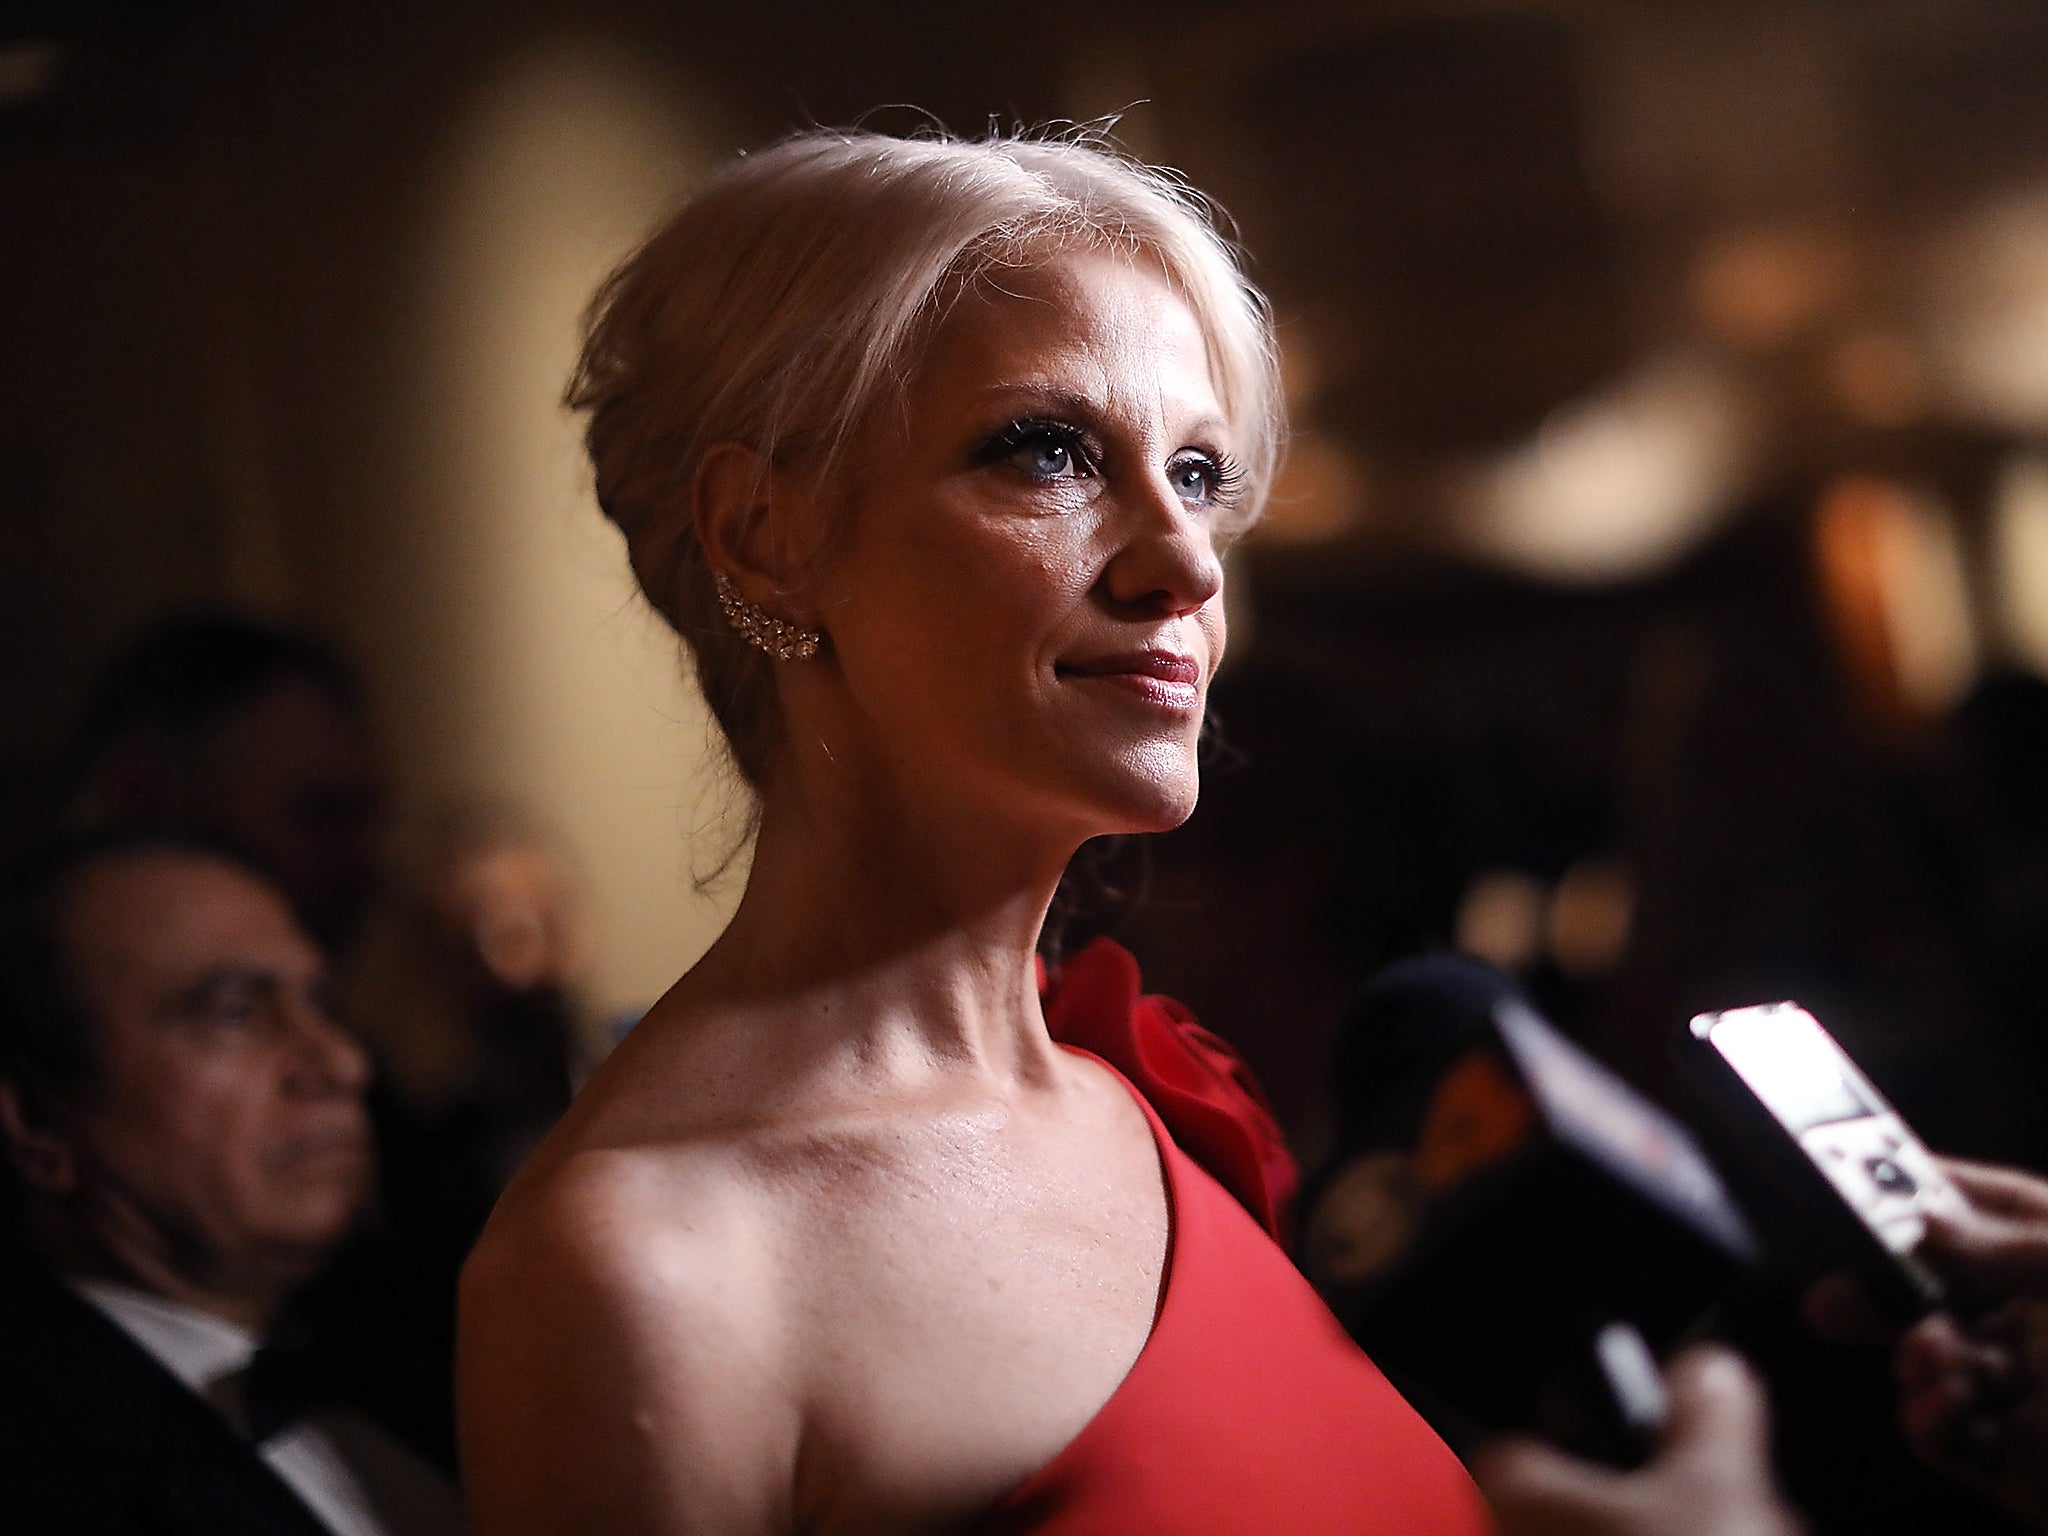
(788,298)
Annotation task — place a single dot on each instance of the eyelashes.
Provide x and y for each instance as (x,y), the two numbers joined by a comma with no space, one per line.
(1226,479)
(1048,449)
(1042,448)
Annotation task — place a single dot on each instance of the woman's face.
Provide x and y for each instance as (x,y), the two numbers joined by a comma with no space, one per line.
(1028,606)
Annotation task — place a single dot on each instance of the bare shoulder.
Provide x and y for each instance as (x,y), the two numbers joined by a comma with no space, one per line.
(636,1226)
(622,1365)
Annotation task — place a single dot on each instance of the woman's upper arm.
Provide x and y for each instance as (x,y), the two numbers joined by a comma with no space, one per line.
(618,1376)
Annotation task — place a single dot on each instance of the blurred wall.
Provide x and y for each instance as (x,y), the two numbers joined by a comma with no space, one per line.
(475,577)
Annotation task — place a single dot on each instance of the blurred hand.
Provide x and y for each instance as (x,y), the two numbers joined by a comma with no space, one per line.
(1973,1396)
(1998,1248)
(1710,1477)
(1973,1402)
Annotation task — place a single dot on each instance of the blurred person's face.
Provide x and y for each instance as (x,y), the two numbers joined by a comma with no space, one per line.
(1028,605)
(224,1139)
(509,908)
(293,782)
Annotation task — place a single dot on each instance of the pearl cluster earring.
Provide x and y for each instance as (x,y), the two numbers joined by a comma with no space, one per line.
(778,637)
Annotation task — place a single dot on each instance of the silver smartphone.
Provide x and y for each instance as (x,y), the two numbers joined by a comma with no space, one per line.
(1849,1182)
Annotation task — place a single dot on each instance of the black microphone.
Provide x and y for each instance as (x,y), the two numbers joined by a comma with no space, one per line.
(1511,1231)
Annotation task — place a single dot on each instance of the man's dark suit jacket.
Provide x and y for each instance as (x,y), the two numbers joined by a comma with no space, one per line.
(97,1439)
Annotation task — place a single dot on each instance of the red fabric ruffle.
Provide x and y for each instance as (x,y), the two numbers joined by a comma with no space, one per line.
(1193,1080)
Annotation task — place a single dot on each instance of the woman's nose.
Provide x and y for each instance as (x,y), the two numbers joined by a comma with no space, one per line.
(1170,564)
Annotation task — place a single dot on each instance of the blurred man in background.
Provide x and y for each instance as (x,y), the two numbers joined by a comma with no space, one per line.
(186,1146)
(258,737)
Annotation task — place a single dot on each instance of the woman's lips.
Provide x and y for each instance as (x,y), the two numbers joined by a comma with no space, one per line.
(1166,678)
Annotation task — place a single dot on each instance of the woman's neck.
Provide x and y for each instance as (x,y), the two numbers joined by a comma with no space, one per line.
(919,930)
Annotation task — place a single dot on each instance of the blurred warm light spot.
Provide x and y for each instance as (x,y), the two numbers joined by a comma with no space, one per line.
(1320,491)
(1990,329)
(2020,561)
(1929,616)
(1621,484)
(1878,380)
(1847,533)
(512,905)
(1591,914)
(1301,367)
(1500,918)
(1893,580)
(1761,287)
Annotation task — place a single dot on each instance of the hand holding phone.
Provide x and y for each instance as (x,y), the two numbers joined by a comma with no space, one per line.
(1841,1181)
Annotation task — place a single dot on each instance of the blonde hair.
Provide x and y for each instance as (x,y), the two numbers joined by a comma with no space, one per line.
(788,297)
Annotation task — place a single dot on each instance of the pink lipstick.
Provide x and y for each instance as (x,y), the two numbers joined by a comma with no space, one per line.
(1166,678)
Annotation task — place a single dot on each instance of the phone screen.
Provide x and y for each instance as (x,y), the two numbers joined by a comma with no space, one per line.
(1792,1064)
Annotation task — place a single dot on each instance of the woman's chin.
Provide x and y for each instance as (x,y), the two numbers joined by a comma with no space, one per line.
(1149,806)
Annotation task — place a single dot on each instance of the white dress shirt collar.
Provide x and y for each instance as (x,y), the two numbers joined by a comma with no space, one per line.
(193,1345)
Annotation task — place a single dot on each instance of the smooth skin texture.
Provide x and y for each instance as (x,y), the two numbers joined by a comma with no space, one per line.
(838,1240)
(223,1150)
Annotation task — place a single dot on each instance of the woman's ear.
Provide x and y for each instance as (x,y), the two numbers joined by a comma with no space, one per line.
(757,525)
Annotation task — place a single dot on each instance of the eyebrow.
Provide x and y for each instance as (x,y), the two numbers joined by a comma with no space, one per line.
(1051,394)
(1074,402)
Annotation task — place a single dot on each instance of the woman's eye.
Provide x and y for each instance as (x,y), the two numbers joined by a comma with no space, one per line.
(1204,481)
(1043,450)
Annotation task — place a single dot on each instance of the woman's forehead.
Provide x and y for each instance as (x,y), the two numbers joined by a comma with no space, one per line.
(1078,320)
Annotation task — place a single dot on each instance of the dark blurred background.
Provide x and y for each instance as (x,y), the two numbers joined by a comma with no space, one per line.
(1653,603)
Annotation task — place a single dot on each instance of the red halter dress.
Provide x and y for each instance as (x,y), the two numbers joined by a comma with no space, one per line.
(1249,1409)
